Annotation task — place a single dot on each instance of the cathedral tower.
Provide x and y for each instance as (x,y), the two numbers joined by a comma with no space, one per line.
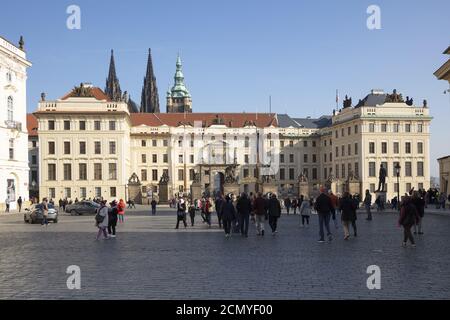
(149,98)
(178,98)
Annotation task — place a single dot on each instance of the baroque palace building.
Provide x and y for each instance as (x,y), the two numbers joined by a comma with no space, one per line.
(91,146)
(14,169)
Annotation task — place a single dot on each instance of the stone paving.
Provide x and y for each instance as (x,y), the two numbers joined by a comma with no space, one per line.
(151,260)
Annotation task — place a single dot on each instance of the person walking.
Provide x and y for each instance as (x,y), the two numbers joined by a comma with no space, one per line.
(287,204)
(244,208)
(112,219)
(192,212)
(121,210)
(260,214)
(348,208)
(408,217)
(19,203)
(181,213)
(335,203)
(228,214)
(294,205)
(44,212)
(305,210)
(208,210)
(368,205)
(323,207)
(7,201)
(153,204)
(274,213)
(218,203)
(102,221)
(419,202)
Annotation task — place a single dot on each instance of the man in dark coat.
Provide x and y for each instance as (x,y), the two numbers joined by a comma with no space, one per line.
(348,208)
(274,213)
(323,207)
(244,207)
(408,217)
(260,208)
(228,214)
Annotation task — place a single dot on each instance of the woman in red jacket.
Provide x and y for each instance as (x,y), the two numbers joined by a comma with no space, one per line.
(121,210)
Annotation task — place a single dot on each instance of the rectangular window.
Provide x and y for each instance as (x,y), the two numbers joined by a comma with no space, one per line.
(97,147)
(314,158)
(51,172)
(372,187)
(66,147)
(396,148)
(383,127)
(154,158)
(112,147)
(180,158)
(165,158)
(282,174)
(82,147)
(191,158)
(305,158)
(356,129)
(165,143)
(314,144)
(113,192)
(408,147)
(343,171)
(83,193)
(396,187)
(420,147)
(407,127)
(97,125)
(97,171)
(33,160)
(291,143)
(420,169)
(408,169)
(384,147)
(371,127)
(396,127)
(52,193)
(420,128)
(372,172)
(325,157)
(356,149)
(112,125)
(349,131)
(337,152)
(191,174)
(34,144)
(245,173)
(143,158)
(246,159)
(112,171)
(154,143)
(291,174)
(342,132)
(144,175)
(67,193)
(385,166)
(82,125)
(67,171)
(314,173)
(408,187)
(98,192)
(180,174)
(51,147)
(343,151)
(420,186)
(356,172)
(372,147)
(66,125)
(281,144)
(325,173)
(155,175)
(349,150)
(82,171)
(337,171)
(51,125)
(305,144)
(143,143)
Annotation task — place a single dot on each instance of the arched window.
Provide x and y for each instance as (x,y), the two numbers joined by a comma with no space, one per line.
(10,109)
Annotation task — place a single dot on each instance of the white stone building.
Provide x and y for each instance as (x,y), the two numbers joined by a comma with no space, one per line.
(13,118)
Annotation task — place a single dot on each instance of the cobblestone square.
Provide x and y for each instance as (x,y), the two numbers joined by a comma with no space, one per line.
(151,260)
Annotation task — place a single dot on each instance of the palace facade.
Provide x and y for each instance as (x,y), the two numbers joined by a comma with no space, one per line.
(13,131)
(91,146)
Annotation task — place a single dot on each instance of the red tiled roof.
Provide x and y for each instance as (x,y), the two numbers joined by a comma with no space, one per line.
(96,92)
(32,125)
(232,120)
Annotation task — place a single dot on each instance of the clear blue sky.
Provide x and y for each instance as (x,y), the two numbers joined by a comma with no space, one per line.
(237,53)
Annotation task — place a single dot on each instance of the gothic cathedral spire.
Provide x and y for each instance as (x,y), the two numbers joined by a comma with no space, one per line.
(150,98)
(112,88)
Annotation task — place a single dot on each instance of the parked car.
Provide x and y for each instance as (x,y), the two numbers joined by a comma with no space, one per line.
(82,207)
(35,214)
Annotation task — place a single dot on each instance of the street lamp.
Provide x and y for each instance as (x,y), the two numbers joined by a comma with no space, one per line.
(397,171)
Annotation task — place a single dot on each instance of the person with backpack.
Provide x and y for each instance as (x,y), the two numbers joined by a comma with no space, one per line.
(181,213)
(274,209)
(323,207)
(112,219)
(102,221)
(408,217)
(305,210)
(121,210)
(228,214)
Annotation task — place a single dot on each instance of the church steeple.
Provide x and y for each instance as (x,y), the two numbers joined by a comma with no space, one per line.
(112,88)
(179,98)
(150,98)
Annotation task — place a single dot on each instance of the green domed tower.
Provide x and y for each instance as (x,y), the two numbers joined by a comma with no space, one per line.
(179,99)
